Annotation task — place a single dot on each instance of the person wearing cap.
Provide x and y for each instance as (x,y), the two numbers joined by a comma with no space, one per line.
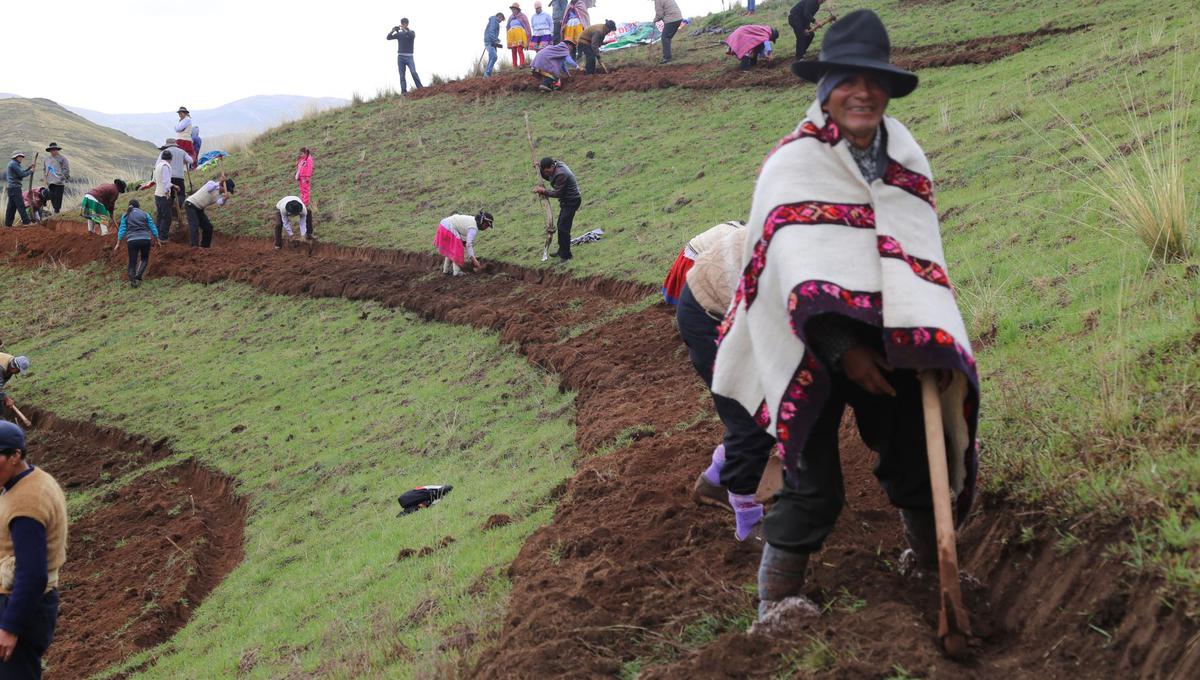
(552,63)
(164,190)
(33,549)
(292,208)
(575,20)
(35,200)
(749,42)
(9,367)
(845,300)
(455,240)
(591,40)
(57,171)
(100,204)
(137,228)
(491,42)
(801,18)
(213,192)
(565,188)
(543,29)
(667,11)
(518,34)
(183,134)
(405,37)
(14,179)
(180,162)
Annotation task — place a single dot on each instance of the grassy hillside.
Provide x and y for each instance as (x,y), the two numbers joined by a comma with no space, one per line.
(97,154)
(324,411)
(1088,349)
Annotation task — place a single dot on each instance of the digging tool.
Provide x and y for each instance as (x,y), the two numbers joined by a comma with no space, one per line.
(541,183)
(33,166)
(953,625)
(21,417)
(771,481)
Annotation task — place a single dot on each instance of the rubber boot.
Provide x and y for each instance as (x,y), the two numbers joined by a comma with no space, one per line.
(921,533)
(780,580)
(747,514)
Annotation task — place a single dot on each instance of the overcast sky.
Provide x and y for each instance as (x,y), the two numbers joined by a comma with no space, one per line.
(130,56)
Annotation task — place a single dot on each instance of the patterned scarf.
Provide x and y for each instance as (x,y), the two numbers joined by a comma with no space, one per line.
(820,240)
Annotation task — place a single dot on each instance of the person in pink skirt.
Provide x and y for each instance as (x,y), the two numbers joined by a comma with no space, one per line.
(455,240)
(304,167)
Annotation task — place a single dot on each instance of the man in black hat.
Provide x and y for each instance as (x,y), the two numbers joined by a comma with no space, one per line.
(565,188)
(801,19)
(842,222)
(57,170)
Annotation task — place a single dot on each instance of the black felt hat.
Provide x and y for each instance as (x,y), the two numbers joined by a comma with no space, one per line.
(54,147)
(858,42)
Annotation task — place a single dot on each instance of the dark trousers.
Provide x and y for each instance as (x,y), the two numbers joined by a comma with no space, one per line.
(894,427)
(803,37)
(163,215)
(16,204)
(180,196)
(139,258)
(199,227)
(557,31)
(35,639)
(668,32)
(747,446)
(589,54)
(750,60)
(403,61)
(56,196)
(566,219)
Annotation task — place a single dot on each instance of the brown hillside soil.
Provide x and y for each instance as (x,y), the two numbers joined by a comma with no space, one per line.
(145,555)
(630,572)
(722,73)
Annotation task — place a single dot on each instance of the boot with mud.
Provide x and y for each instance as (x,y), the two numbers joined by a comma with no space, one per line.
(920,558)
(708,489)
(780,604)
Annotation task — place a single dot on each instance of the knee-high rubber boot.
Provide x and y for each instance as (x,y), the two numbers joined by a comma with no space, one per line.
(921,533)
(780,576)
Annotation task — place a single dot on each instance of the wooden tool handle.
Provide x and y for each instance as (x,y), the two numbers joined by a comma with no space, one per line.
(953,625)
(21,417)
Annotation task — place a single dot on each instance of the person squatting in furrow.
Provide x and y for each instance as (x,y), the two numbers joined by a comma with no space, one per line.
(139,232)
(455,240)
(292,208)
(99,205)
(552,63)
(565,188)
(214,192)
(36,200)
(844,299)
(33,550)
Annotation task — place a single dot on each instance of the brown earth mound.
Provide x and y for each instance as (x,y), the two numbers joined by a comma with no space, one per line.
(630,572)
(145,556)
(722,73)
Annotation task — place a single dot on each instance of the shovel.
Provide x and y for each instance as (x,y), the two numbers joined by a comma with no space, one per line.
(953,625)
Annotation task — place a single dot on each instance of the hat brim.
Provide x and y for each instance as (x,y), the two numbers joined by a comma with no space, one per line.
(903,82)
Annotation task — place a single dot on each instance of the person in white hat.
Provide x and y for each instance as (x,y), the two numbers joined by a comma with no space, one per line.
(14,176)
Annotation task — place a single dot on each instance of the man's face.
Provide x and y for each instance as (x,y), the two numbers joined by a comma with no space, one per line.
(403,24)
(857,106)
(546,172)
(54,153)
(182,115)
(12,370)
(10,466)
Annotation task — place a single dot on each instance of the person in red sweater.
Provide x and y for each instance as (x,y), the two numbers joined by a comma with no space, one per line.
(99,205)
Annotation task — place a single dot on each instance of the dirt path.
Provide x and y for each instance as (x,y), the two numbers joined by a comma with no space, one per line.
(631,573)
(721,72)
(143,559)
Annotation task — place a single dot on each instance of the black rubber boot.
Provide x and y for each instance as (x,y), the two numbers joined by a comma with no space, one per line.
(780,576)
(921,533)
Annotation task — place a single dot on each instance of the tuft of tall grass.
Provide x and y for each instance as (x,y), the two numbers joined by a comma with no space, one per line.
(1142,184)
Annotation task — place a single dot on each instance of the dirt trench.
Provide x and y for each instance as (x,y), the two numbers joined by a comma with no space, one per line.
(721,72)
(145,556)
(631,574)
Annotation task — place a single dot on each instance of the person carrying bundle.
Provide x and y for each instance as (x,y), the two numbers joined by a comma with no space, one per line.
(137,228)
(292,208)
(455,240)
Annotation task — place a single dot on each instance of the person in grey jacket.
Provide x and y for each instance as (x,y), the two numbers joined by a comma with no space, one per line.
(667,12)
(57,170)
(491,40)
(14,176)
(137,228)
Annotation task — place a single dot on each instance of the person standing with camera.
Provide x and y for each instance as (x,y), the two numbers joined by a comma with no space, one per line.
(404,37)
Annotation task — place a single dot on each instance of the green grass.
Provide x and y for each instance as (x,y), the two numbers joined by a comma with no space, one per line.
(345,405)
(1087,347)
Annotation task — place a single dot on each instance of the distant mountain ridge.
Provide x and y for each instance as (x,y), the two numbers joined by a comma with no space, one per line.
(248,116)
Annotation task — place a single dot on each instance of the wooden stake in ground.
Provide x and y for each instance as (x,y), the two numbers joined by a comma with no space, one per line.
(542,183)
(953,625)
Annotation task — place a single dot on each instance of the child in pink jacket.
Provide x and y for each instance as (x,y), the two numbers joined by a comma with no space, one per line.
(304,168)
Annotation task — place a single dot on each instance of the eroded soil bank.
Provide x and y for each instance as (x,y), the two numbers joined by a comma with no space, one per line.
(631,574)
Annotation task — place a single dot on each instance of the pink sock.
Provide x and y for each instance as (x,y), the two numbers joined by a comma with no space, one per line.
(713,474)
(746,513)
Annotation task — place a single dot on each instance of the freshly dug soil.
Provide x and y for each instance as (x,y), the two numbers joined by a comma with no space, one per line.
(721,72)
(629,567)
(145,556)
